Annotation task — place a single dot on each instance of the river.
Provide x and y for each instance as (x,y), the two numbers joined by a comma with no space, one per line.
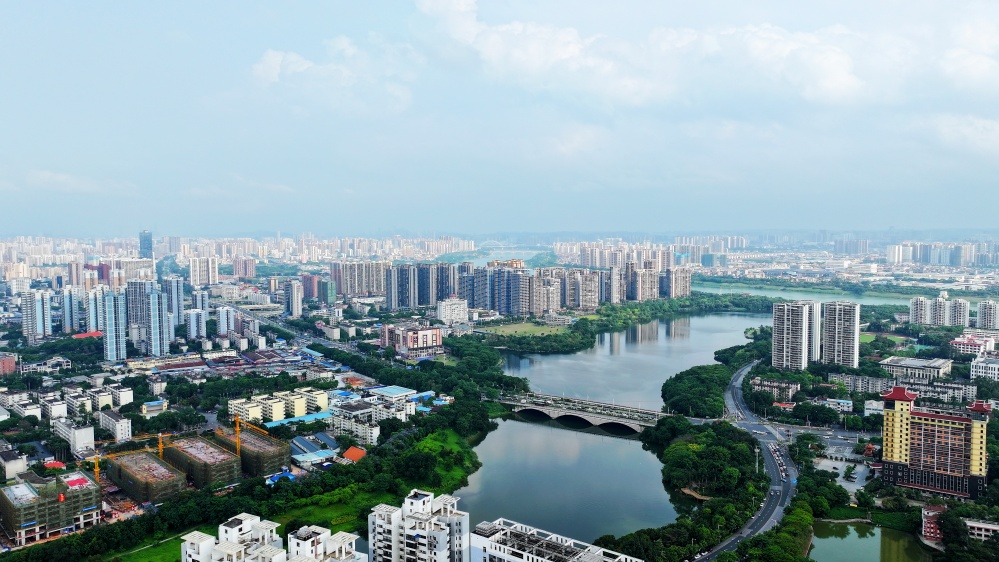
(852,542)
(584,484)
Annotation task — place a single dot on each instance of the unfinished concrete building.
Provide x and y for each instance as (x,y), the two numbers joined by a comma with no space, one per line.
(204,463)
(43,508)
(146,478)
(260,455)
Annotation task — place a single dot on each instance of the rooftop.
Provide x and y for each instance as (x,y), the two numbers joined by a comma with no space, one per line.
(144,465)
(21,494)
(392,391)
(916,363)
(203,451)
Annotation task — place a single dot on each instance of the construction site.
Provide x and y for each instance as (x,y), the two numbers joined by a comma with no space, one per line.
(260,455)
(39,508)
(146,478)
(203,462)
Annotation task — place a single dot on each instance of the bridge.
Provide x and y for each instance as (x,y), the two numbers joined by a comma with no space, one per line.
(595,413)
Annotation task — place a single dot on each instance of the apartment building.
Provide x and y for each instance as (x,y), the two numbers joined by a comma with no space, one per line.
(243,538)
(975,345)
(841,333)
(115,423)
(935,449)
(425,528)
(782,390)
(987,367)
(795,334)
(503,540)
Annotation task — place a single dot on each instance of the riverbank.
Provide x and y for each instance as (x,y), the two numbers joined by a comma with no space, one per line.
(849,290)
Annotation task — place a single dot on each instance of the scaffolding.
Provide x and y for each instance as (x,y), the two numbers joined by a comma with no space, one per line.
(66,503)
(146,478)
(204,463)
(260,455)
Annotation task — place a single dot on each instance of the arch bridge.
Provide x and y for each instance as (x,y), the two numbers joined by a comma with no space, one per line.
(593,412)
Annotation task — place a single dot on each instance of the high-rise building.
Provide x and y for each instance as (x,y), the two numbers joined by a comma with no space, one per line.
(795,334)
(75,274)
(988,315)
(146,244)
(327,291)
(204,271)
(452,311)
(136,291)
(940,311)
(361,278)
(225,320)
(173,287)
(36,311)
(447,280)
(919,311)
(934,448)
(115,312)
(425,528)
(841,333)
(94,308)
(427,284)
(310,286)
(293,298)
(401,287)
(72,308)
(244,267)
(157,329)
(674,283)
(960,313)
(197,324)
(199,299)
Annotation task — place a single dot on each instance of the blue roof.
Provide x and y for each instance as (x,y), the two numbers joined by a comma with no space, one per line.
(154,402)
(343,393)
(423,409)
(420,396)
(301,445)
(324,438)
(391,391)
(301,419)
(310,352)
(273,479)
(314,457)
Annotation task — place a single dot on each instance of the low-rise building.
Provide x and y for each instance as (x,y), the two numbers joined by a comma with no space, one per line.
(975,345)
(295,404)
(425,528)
(8,364)
(783,391)
(77,403)
(841,406)
(120,395)
(26,408)
(99,398)
(317,400)
(503,540)
(917,369)
(243,538)
(115,423)
(13,463)
(154,408)
(30,512)
(987,367)
(858,383)
(874,407)
(53,409)
(365,432)
(946,391)
(48,366)
(246,409)
(79,437)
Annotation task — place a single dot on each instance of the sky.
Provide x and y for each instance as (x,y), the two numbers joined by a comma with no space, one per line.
(346,117)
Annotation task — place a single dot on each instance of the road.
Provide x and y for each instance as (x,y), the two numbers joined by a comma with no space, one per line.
(781,492)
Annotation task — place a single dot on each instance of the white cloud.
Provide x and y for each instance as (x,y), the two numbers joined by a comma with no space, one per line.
(831,65)
(969,131)
(349,79)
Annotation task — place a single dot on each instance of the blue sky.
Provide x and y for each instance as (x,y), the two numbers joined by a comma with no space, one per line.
(455,116)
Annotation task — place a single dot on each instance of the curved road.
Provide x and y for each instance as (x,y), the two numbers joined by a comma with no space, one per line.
(780,492)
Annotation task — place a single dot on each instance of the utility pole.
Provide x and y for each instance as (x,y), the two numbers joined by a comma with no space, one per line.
(757,460)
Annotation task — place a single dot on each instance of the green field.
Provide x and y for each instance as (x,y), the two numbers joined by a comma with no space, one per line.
(524,329)
(868,338)
(166,551)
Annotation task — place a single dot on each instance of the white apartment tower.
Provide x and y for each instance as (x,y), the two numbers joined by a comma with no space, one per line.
(199,299)
(919,311)
(960,313)
(795,334)
(204,271)
(36,311)
(293,294)
(72,309)
(452,311)
(226,320)
(841,333)
(94,308)
(988,315)
(157,332)
(115,311)
(425,528)
(173,287)
(197,321)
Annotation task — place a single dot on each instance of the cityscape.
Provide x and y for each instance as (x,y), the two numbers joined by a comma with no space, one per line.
(466,281)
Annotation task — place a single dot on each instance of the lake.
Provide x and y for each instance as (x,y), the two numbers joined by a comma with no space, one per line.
(852,542)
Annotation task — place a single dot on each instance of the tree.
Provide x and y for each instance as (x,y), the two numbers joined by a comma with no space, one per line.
(865,499)
(27,449)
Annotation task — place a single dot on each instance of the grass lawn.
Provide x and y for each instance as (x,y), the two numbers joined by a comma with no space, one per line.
(868,337)
(166,551)
(446,359)
(525,329)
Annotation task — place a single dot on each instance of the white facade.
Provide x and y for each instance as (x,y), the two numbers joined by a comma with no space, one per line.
(988,315)
(425,528)
(196,321)
(508,541)
(204,271)
(244,538)
(841,333)
(985,367)
(115,329)
(120,395)
(960,313)
(974,345)
(226,320)
(78,437)
(318,543)
(874,407)
(795,334)
(452,311)
(115,423)
(293,295)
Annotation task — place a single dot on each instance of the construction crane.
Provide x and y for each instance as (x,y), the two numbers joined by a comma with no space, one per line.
(239,422)
(159,448)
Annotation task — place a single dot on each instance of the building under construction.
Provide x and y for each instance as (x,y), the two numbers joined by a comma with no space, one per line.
(39,508)
(260,455)
(204,463)
(146,478)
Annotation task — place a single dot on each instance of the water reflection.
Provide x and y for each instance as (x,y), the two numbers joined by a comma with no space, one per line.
(842,542)
(572,480)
